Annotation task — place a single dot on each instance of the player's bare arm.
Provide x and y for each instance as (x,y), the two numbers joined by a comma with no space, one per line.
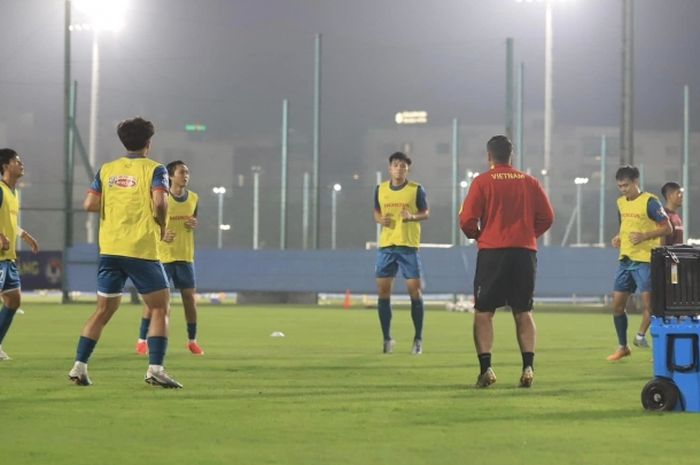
(384,220)
(92,202)
(420,216)
(160,209)
(615,242)
(663,230)
(30,241)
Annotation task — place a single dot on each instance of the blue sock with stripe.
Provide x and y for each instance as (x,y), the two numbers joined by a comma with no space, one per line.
(157,346)
(417,317)
(6,317)
(384,307)
(85,348)
(621,328)
(143,331)
(192,331)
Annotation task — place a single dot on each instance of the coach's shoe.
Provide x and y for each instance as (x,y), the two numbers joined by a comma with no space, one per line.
(142,347)
(486,379)
(417,348)
(158,377)
(641,341)
(3,355)
(195,348)
(620,353)
(79,375)
(389,346)
(527,377)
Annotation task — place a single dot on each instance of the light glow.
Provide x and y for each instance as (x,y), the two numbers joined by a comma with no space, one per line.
(102,15)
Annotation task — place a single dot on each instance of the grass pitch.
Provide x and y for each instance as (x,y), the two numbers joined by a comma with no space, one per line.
(324,394)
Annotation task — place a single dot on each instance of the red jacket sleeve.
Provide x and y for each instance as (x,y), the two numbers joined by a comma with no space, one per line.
(544,213)
(471,212)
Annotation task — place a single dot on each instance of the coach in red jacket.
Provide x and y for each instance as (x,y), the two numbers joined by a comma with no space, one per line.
(505,211)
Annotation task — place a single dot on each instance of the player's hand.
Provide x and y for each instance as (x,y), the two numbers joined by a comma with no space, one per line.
(616,242)
(385,220)
(31,242)
(168,236)
(4,242)
(636,238)
(191,223)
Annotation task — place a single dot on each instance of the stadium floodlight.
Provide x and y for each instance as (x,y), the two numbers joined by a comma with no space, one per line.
(411,117)
(220,191)
(103,15)
(334,213)
(97,16)
(463,184)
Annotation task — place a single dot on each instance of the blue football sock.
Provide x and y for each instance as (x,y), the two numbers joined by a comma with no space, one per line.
(621,328)
(192,331)
(384,307)
(157,346)
(417,317)
(6,317)
(484,362)
(85,348)
(145,324)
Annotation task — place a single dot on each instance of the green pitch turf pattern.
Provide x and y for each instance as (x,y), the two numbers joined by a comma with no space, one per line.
(324,394)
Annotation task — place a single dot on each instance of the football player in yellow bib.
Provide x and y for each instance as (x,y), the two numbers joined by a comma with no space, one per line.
(131,196)
(399,207)
(12,169)
(176,252)
(643,225)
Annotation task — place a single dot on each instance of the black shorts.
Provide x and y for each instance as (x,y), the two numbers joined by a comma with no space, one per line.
(504,277)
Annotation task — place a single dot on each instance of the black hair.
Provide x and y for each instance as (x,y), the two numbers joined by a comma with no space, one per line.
(400,156)
(669,187)
(135,133)
(500,148)
(5,156)
(172,166)
(627,172)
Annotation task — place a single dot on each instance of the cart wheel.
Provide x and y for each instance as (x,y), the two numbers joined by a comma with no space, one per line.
(659,394)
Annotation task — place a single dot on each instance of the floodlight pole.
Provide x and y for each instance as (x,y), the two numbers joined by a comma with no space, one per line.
(67,147)
(305,213)
(94,105)
(455,184)
(548,106)
(603,180)
(686,161)
(283,193)
(519,130)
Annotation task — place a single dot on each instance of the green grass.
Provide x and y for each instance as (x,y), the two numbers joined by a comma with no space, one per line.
(325,395)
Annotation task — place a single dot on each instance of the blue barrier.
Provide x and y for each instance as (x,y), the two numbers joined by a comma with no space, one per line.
(561,271)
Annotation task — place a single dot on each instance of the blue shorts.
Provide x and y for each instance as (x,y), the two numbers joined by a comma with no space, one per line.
(632,276)
(390,259)
(9,277)
(181,274)
(147,275)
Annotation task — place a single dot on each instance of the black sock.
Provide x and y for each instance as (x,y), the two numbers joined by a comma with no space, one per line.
(528,360)
(484,362)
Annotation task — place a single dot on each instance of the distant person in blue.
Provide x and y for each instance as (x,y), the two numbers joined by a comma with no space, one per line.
(399,207)
(11,168)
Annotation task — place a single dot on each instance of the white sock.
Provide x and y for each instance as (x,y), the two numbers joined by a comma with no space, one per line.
(155,368)
(80,365)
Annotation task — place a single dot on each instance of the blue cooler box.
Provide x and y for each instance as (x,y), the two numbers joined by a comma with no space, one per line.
(676,385)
